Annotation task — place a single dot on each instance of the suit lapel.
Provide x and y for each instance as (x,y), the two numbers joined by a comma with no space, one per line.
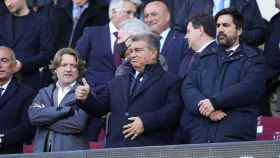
(124,90)
(108,45)
(11,89)
(167,42)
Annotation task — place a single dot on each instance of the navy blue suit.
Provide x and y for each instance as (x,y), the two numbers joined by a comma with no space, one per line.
(174,50)
(33,46)
(14,123)
(255,26)
(234,84)
(95,48)
(157,103)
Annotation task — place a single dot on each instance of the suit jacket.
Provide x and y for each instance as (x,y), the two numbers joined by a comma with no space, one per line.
(62,21)
(157,103)
(3,8)
(14,123)
(255,28)
(234,84)
(95,48)
(272,50)
(58,126)
(174,50)
(33,47)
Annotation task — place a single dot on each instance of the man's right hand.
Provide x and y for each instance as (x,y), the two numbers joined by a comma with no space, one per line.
(82,91)
(217,115)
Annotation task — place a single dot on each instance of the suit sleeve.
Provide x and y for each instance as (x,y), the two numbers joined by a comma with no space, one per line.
(190,91)
(42,115)
(247,91)
(166,116)
(45,48)
(254,33)
(83,44)
(23,131)
(72,124)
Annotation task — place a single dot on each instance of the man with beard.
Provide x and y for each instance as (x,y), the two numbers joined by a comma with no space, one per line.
(222,90)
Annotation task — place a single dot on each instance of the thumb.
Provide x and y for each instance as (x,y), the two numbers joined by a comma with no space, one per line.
(84,81)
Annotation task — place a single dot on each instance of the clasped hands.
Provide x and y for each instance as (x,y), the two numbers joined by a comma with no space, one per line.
(207,109)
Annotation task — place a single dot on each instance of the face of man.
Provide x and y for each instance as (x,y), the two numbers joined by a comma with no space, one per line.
(7,65)
(193,36)
(156,16)
(277,4)
(15,6)
(80,2)
(140,55)
(227,33)
(127,12)
(67,72)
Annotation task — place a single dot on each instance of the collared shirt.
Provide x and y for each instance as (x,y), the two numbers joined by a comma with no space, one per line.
(136,74)
(75,10)
(163,36)
(61,92)
(216,7)
(204,46)
(113,38)
(4,86)
(232,50)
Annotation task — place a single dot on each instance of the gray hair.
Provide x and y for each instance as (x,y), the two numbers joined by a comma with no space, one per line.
(118,5)
(12,53)
(134,26)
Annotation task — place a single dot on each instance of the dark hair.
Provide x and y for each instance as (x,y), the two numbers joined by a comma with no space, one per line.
(161,1)
(206,21)
(238,19)
(55,63)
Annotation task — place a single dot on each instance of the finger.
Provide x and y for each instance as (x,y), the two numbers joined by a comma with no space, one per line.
(128,135)
(128,130)
(84,81)
(134,136)
(132,118)
(127,126)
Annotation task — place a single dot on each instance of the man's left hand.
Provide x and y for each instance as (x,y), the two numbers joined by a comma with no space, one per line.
(205,107)
(133,129)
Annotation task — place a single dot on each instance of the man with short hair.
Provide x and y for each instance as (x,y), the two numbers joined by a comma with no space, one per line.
(29,35)
(145,103)
(15,98)
(60,123)
(172,43)
(223,88)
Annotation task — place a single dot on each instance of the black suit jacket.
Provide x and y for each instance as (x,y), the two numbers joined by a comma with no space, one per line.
(33,47)
(157,103)
(62,21)
(14,122)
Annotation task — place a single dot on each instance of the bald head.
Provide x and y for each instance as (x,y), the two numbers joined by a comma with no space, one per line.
(157,16)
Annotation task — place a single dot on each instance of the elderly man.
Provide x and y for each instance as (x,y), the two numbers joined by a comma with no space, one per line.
(145,104)
(15,98)
(60,123)
(222,90)
(172,43)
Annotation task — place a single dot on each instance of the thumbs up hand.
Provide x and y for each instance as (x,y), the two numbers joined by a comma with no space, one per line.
(82,91)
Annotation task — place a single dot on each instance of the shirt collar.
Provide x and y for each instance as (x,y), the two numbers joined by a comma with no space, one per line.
(204,46)
(112,28)
(4,86)
(70,86)
(164,34)
(84,6)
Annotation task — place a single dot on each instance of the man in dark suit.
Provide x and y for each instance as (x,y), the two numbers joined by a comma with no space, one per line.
(223,88)
(173,45)
(96,46)
(70,21)
(3,8)
(145,104)
(29,36)
(15,99)
(255,26)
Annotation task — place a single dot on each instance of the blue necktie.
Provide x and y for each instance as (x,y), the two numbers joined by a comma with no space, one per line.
(220,6)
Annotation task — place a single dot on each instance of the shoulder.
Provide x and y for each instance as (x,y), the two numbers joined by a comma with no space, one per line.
(249,51)
(97,29)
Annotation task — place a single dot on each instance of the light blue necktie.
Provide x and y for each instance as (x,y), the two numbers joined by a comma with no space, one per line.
(221,5)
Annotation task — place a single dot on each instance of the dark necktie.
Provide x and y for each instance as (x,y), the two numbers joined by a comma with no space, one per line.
(1,90)
(135,84)
(75,23)
(116,55)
